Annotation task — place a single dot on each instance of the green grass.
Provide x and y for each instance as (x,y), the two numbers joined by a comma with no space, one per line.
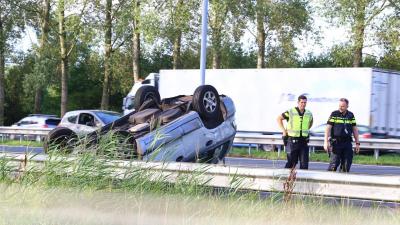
(38,205)
(392,159)
(21,143)
(88,191)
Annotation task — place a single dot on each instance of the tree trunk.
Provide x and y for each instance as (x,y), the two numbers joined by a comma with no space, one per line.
(176,55)
(219,12)
(38,100)
(45,17)
(136,44)
(217,60)
(136,56)
(177,51)
(216,45)
(359,35)
(45,24)
(260,37)
(107,58)
(64,59)
(2,71)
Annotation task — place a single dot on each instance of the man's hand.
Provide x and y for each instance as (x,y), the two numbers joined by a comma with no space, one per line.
(357,148)
(327,146)
(285,139)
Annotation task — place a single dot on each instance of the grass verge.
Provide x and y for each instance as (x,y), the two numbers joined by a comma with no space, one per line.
(21,205)
(87,190)
(21,143)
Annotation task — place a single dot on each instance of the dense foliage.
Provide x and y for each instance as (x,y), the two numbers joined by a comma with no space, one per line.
(89,52)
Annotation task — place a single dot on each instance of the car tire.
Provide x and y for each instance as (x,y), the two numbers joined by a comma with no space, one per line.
(206,102)
(60,137)
(144,94)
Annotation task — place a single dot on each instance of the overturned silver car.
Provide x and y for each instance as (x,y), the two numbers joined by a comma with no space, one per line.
(196,128)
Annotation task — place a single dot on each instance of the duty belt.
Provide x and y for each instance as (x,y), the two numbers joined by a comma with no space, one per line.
(342,139)
(299,139)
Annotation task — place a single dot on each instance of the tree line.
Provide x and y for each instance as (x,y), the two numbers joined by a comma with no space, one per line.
(90,52)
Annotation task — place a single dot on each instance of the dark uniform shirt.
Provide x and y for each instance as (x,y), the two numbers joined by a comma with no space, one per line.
(342,124)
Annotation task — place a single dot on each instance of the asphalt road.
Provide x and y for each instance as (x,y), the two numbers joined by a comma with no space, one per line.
(355,168)
(256,163)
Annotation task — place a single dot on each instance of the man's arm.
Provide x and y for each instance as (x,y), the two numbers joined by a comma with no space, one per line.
(280,120)
(311,122)
(356,138)
(327,146)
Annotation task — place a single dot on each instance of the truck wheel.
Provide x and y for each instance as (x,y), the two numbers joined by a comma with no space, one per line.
(144,94)
(60,138)
(206,102)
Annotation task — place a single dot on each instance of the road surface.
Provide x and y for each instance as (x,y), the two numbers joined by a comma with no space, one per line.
(260,163)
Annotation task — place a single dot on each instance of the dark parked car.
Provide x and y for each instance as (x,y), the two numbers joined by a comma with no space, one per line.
(199,127)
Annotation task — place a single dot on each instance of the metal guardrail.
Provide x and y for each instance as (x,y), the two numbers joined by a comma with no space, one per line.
(366,143)
(315,183)
(23,133)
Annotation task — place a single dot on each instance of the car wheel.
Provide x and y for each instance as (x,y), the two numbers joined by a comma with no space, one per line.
(61,138)
(206,102)
(146,93)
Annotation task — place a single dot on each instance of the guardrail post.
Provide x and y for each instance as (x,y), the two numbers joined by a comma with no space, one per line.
(279,151)
(376,154)
(249,149)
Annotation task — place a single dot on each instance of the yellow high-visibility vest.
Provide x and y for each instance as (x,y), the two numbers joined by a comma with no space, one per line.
(299,124)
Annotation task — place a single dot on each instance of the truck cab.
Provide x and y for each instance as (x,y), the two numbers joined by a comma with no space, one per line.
(127,103)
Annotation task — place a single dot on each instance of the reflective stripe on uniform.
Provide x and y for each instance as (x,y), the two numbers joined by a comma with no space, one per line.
(342,120)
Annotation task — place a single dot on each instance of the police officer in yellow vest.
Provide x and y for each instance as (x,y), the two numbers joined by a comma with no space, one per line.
(299,121)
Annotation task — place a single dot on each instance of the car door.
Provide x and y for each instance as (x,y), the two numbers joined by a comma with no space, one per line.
(87,123)
(69,120)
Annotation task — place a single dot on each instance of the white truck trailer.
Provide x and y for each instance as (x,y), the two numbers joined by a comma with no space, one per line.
(260,95)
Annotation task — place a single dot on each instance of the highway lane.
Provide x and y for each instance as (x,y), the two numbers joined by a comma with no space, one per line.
(355,168)
(21,149)
(256,163)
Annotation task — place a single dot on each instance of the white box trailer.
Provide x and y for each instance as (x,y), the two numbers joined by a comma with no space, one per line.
(260,95)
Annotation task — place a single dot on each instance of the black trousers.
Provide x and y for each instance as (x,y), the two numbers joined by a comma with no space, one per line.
(297,149)
(342,153)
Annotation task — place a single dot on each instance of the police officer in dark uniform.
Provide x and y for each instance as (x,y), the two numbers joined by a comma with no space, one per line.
(338,137)
(296,134)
